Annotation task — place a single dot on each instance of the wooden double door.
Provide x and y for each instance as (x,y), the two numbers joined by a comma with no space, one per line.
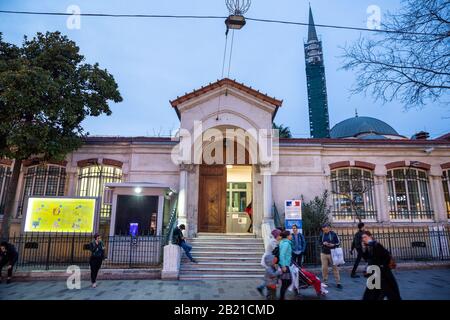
(212,199)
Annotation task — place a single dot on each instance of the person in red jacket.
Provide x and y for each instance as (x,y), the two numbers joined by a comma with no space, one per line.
(249,211)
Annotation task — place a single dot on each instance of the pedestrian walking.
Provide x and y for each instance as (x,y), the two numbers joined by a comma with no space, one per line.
(8,258)
(298,246)
(377,255)
(272,275)
(271,245)
(328,241)
(357,245)
(285,248)
(249,211)
(180,240)
(97,249)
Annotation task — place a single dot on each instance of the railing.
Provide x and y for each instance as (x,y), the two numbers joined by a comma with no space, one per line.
(57,251)
(341,215)
(411,215)
(405,244)
(172,223)
(276,217)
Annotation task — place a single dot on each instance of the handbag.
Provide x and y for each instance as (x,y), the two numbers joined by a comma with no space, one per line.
(337,256)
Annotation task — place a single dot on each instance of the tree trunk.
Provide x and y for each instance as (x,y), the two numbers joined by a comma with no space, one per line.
(9,213)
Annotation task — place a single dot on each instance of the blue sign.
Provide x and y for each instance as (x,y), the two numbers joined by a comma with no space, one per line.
(134,229)
(289,223)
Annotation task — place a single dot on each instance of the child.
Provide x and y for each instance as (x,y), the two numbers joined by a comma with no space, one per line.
(271,277)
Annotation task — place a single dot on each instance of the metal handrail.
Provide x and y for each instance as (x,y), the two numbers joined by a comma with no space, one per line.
(172,222)
(276,216)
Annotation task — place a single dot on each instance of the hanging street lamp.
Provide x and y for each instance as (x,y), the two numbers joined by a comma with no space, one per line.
(237,9)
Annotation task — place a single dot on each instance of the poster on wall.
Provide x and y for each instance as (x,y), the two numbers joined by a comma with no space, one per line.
(61,214)
(293,214)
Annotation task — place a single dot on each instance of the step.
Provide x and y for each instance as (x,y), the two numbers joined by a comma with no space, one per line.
(195,267)
(240,248)
(198,266)
(227,263)
(220,241)
(221,258)
(239,254)
(218,276)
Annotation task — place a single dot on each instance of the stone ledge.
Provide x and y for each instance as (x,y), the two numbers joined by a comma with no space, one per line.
(104,274)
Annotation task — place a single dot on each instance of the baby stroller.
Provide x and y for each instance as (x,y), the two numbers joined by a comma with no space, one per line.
(307,279)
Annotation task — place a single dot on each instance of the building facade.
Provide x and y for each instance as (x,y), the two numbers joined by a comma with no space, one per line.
(390,181)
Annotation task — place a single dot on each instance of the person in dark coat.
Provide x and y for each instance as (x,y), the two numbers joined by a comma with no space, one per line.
(357,245)
(179,239)
(8,257)
(97,249)
(377,255)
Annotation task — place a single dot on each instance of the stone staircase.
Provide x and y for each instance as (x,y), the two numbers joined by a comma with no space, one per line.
(223,256)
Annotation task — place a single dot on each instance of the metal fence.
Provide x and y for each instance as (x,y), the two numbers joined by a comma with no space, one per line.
(57,251)
(405,244)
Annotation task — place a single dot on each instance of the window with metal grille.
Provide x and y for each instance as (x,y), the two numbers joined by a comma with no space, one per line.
(446,185)
(353,194)
(43,180)
(408,194)
(5,176)
(92,180)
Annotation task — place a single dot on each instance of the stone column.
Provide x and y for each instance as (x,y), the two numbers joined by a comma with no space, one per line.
(182,195)
(437,202)
(267,192)
(381,198)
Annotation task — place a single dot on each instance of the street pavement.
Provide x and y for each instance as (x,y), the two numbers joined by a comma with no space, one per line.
(433,284)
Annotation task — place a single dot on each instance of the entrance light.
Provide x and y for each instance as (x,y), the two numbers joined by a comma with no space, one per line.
(138,190)
(229,166)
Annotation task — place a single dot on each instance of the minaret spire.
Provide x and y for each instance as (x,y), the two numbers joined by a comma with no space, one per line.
(317,87)
(312,34)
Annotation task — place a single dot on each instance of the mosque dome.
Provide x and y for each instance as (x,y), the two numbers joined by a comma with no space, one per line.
(364,128)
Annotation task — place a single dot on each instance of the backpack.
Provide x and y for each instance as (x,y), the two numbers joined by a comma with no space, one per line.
(276,253)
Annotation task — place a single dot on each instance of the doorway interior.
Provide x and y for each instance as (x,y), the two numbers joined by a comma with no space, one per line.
(239,199)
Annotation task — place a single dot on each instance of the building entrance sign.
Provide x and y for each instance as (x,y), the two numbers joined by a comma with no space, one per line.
(293,214)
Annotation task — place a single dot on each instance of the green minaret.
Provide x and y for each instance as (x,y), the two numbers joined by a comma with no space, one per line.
(319,122)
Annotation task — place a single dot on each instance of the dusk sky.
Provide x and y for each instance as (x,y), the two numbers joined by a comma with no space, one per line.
(156,60)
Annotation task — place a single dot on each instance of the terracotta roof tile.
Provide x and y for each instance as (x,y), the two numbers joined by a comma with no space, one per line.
(232,83)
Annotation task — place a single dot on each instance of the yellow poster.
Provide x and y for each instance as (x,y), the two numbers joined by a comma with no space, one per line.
(60,215)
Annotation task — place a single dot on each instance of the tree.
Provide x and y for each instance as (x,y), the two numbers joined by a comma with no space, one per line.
(409,62)
(315,213)
(45,93)
(283,132)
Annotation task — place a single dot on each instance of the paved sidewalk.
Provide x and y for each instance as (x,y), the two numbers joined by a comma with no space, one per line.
(414,284)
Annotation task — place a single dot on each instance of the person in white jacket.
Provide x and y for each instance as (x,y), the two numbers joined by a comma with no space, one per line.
(270,246)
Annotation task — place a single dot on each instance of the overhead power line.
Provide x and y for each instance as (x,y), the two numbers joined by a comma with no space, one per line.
(164,16)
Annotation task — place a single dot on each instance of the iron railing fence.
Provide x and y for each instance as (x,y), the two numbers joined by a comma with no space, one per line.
(42,251)
(405,244)
(38,251)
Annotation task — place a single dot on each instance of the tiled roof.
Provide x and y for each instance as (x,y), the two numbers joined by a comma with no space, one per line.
(229,82)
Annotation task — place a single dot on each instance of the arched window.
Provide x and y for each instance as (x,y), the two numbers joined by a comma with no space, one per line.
(43,180)
(446,185)
(353,194)
(91,183)
(5,176)
(408,194)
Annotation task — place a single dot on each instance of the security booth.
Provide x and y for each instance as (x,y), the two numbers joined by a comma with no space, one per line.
(137,220)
